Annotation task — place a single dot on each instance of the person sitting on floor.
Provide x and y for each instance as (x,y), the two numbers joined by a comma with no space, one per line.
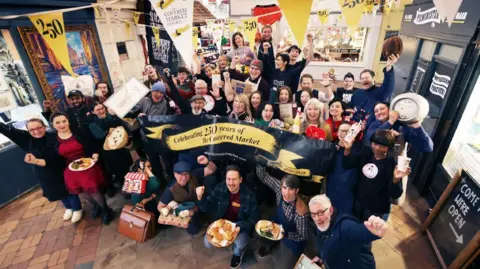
(183,188)
(233,201)
(291,214)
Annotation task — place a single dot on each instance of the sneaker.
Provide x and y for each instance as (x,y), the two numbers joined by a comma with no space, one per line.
(95,212)
(236,261)
(68,214)
(263,251)
(107,216)
(77,216)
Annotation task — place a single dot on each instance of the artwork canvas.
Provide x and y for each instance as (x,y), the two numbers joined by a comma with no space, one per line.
(85,57)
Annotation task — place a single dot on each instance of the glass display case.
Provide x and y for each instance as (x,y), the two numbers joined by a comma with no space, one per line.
(464,150)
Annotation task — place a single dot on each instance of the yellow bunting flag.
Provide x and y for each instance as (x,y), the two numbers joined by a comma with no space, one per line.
(250,29)
(368,6)
(136,17)
(323,15)
(52,29)
(195,37)
(127,28)
(297,14)
(97,11)
(352,12)
(156,33)
(387,7)
(210,23)
(231,25)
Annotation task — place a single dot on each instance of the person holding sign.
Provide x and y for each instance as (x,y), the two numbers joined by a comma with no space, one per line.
(254,77)
(283,104)
(341,240)
(371,94)
(413,133)
(233,201)
(291,214)
(183,188)
(240,49)
(380,180)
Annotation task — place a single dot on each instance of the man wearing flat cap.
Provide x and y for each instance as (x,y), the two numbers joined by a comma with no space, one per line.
(182,189)
(291,214)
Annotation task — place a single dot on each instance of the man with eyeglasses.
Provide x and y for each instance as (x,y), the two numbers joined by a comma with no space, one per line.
(215,104)
(291,214)
(341,240)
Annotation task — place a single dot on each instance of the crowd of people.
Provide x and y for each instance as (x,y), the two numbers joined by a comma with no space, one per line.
(348,210)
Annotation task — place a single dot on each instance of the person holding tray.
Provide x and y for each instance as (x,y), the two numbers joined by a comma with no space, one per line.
(233,201)
(291,214)
(183,188)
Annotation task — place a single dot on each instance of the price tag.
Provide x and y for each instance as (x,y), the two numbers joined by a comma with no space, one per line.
(52,29)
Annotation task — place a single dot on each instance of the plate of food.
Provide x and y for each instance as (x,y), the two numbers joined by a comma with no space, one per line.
(269,230)
(221,233)
(81,164)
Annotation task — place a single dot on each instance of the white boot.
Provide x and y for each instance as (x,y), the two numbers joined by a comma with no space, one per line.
(77,215)
(68,214)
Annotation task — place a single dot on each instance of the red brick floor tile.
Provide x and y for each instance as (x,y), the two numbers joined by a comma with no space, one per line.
(24,255)
(39,250)
(8,260)
(38,266)
(63,243)
(26,242)
(64,254)
(8,226)
(70,265)
(54,258)
(48,208)
(5,237)
(27,220)
(81,226)
(77,240)
(38,202)
(41,259)
(49,247)
(84,259)
(36,239)
(72,255)
(2,258)
(11,247)
(58,266)
(22,265)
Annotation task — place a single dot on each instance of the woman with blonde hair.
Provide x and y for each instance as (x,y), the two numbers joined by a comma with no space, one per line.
(314,110)
(241,108)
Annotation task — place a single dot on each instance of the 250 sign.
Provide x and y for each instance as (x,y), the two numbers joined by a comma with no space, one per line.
(352,3)
(250,26)
(54,28)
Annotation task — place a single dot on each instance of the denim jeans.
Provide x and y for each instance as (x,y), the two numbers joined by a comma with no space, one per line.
(72,202)
(239,245)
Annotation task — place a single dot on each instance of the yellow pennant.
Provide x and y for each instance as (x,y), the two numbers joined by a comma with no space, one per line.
(231,25)
(156,33)
(210,23)
(387,7)
(352,12)
(250,29)
(368,6)
(195,37)
(97,11)
(297,14)
(323,15)
(127,28)
(136,17)
(52,29)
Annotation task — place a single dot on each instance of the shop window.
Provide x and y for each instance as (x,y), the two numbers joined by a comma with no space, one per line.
(335,44)
(122,51)
(451,53)
(428,49)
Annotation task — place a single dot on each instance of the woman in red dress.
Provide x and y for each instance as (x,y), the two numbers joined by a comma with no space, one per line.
(89,182)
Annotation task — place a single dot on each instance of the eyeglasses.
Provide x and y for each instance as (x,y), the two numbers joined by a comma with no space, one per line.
(319,213)
(36,129)
(343,131)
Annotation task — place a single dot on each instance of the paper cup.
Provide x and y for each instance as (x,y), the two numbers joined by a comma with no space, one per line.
(403,163)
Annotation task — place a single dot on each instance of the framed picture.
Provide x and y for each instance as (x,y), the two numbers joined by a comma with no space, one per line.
(85,56)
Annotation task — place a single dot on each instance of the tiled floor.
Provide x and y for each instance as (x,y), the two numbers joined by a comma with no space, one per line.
(34,235)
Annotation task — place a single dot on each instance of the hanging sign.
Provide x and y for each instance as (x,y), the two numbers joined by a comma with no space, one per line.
(297,14)
(368,6)
(352,12)
(52,29)
(250,29)
(195,37)
(323,16)
(231,25)
(136,17)
(177,18)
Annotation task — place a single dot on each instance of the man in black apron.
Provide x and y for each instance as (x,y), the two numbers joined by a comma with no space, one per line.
(291,214)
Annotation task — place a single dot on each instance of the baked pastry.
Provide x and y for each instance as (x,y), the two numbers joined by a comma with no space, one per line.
(116,139)
(220,222)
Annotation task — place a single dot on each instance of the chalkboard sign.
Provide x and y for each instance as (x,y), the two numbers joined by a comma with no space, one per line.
(419,77)
(454,223)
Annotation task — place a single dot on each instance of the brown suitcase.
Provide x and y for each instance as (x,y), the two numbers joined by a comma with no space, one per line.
(137,223)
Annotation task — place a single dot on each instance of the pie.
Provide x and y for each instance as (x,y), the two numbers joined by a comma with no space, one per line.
(116,139)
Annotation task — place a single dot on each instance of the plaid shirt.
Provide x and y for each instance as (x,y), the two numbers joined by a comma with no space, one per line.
(288,208)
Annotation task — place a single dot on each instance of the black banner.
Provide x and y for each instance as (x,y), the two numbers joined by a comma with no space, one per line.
(439,88)
(161,55)
(419,77)
(459,219)
(423,19)
(221,138)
